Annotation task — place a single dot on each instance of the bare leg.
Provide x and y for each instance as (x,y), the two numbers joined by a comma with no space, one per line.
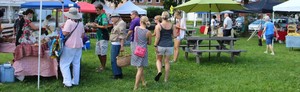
(176,49)
(138,77)
(144,83)
(100,65)
(103,61)
(271,48)
(167,67)
(266,49)
(158,66)
(159,63)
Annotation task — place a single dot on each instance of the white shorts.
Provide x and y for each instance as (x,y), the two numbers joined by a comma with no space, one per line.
(101,47)
(165,50)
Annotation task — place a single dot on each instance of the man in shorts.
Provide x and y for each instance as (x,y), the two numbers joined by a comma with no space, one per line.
(102,36)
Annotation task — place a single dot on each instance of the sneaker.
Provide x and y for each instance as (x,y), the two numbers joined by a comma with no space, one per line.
(272,53)
(266,52)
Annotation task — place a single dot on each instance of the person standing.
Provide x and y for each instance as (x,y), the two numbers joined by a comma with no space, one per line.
(102,36)
(142,38)
(72,50)
(135,21)
(1,15)
(164,45)
(180,28)
(268,31)
(46,25)
(157,20)
(213,26)
(19,23)
(227,24)
(117,37)
(29,29)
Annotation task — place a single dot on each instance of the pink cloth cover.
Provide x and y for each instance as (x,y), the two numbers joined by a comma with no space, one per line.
(28,66)
(7,47)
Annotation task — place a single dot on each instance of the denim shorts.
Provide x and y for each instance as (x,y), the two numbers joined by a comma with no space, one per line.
(269,39)
(165,50)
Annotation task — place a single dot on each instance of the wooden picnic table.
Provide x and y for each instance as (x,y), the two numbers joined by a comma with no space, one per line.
(194,45)
(190,32)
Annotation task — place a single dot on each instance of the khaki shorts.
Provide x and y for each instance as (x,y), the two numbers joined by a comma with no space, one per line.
(101,47)
(165,50)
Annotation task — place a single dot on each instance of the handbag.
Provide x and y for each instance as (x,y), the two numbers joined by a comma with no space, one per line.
(139,50)
(123,59)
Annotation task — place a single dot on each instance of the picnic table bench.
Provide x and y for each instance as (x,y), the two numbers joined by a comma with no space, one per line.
(195,43)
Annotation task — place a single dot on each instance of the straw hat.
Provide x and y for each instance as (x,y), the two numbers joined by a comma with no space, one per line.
(73,13)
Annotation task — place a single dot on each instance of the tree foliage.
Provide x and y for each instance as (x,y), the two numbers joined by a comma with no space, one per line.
(153,11)
(167,4)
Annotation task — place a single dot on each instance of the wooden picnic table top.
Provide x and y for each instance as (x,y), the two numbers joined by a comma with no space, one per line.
(211,38)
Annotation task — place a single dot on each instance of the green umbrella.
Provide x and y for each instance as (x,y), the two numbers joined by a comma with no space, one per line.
(209,6)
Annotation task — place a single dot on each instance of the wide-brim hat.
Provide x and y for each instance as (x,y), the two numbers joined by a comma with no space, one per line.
(73,13)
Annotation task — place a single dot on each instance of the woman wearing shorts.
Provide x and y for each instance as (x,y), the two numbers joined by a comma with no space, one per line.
(269,33)
(180,32)
(164,45)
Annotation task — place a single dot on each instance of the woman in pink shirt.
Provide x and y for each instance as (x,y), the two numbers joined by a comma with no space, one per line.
(72,50)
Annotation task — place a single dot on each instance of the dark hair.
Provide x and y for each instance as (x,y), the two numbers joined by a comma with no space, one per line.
(48,17)
(214,16)
(1,12)
(135,12)
(99,6)
(28,11)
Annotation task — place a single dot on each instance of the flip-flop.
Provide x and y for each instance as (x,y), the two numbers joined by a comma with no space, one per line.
(99,69)
(157,76)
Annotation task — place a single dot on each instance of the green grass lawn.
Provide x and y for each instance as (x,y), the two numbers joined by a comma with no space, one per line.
(253,71)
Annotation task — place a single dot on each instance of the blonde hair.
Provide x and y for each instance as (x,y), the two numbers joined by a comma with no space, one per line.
(165,15)
(158,17)
(145,21)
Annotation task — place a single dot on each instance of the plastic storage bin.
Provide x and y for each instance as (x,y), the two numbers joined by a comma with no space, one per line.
(7,73)
(88,45)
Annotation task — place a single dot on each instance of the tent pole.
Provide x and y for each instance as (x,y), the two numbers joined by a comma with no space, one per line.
(63,9)
(39,53)
(273,23)
(56,19)
(195,18)
(273,16)
(209,29)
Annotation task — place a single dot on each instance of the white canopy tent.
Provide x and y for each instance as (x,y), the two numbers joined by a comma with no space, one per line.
(288,6)
(128,7)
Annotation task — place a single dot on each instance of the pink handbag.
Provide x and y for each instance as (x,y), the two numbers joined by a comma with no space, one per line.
(139,50)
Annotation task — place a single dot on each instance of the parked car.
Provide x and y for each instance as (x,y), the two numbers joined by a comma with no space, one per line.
(284,22)
(256,24)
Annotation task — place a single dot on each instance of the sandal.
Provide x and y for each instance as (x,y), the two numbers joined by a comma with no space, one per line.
(157,76)
(99,69)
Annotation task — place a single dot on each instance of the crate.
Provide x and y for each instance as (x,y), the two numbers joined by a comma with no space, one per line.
(7,73)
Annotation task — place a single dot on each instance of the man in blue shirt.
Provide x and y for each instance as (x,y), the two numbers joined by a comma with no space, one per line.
(268,31)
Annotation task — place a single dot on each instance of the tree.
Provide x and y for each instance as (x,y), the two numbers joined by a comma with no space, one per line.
(167,4)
